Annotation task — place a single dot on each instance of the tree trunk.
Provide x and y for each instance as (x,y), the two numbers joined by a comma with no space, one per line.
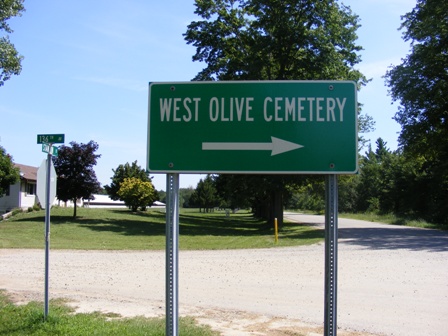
(74,207)
(276,208)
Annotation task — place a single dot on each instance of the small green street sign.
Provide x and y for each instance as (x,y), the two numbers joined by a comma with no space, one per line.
(50,138)
(274,127)
(47,148)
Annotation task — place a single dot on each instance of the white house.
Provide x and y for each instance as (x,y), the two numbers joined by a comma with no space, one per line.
(104,201)
(23,193)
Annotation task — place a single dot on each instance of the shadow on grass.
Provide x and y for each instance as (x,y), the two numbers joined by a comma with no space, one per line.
(189,225)
(242,225)
(152,223)
(125,223)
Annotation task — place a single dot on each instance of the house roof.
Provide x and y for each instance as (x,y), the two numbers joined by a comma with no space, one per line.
(27,172)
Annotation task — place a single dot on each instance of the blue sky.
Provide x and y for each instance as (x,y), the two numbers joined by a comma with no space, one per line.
(88,63)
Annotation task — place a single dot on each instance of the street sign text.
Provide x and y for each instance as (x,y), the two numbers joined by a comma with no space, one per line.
(253,127)
(50,138)
(46,148)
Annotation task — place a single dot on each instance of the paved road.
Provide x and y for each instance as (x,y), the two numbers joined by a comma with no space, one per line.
(392,280)
(379,236)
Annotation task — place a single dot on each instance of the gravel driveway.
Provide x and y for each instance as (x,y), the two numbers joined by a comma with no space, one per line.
(392,280)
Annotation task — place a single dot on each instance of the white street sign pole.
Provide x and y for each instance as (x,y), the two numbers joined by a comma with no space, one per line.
(47,232)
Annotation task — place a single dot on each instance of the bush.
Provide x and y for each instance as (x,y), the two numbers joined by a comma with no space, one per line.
(16,211)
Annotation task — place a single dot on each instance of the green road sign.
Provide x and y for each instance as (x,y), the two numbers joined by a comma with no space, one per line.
(50,138)
(276,127)
(46,148)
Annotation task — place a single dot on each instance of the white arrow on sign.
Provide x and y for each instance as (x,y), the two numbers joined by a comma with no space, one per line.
(276,146)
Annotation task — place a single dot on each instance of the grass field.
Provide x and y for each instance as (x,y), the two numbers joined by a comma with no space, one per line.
(29,320)
(120,229)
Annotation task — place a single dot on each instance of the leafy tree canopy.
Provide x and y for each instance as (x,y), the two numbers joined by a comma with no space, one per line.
(136,193)
(420,84)
(9,174)
(122,172)
(10,60)
(274,40)
(74,168)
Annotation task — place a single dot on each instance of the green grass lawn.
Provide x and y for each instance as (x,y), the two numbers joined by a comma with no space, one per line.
(120,229)
(29,320)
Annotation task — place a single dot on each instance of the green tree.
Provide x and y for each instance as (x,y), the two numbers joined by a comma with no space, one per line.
(205,196)
(74,168)
(420,84)
(161,196)
(122,172)
(136,193)
(389,183)
(235,191)
(371,180)
(347,193)
(10,60)
(310,195)
(184,196)
(9,174)
(274,40)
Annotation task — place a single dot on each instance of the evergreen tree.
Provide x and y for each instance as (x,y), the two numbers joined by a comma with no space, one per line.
(205,196)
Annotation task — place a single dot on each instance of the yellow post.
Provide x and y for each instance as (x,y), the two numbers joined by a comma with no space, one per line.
(276,230)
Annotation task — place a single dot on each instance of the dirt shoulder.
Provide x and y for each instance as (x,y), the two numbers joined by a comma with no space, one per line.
(132,284)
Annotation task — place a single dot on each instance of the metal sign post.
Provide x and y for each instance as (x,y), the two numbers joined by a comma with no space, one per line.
(331,254)
(47,233)
(46,198)
(172,255)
